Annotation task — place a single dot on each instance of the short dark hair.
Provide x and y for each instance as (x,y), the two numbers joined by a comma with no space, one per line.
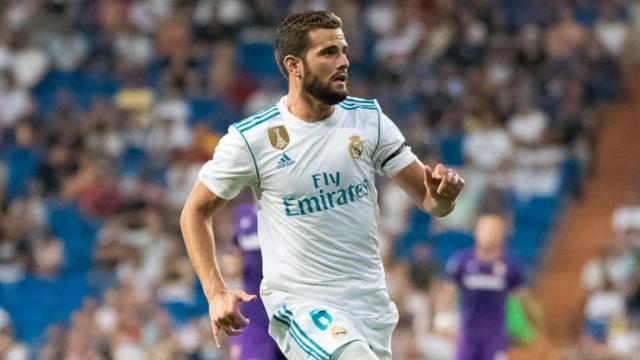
(292,36)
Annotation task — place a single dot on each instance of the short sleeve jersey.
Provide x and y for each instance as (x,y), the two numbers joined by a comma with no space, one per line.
(484,288)
(317,204)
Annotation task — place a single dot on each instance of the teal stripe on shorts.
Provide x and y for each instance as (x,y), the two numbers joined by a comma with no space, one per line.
(298,340)
(303,334)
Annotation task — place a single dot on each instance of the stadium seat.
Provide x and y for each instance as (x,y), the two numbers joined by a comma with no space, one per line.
(256,58)
(446,243)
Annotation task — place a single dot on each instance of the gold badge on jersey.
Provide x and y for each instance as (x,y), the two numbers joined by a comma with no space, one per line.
(355,147)
(279,137)
(338,331)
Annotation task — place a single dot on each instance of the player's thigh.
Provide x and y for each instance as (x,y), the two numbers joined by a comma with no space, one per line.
(355,350)
(378,331)
(312,331)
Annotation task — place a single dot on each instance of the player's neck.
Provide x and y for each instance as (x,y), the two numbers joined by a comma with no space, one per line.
(307,108)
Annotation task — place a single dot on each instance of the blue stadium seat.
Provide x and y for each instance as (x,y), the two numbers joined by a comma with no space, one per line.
(180,312)
(417,233)
(451,150)
(257,58)
(448,242)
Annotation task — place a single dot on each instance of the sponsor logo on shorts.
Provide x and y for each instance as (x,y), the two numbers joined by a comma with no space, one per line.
(338,331)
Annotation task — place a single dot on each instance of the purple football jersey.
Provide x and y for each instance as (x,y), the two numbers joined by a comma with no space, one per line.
(484,287)
(254,342)
(246,225)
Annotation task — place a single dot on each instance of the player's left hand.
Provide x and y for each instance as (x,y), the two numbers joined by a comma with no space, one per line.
(442,183)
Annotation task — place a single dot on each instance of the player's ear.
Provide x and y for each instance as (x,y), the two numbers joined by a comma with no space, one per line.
(293,65)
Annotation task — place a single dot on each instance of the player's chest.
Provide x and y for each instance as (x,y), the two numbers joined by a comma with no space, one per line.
(491,277)
(296,162)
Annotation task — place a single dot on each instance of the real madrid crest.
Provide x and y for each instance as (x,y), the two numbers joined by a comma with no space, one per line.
(279,137)
(355,147)
(338,331)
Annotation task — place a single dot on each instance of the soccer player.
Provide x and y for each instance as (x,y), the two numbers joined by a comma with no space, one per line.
(310,160)
(254,343)
(485,277)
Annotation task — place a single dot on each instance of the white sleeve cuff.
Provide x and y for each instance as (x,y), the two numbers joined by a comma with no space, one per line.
(215,186)
(399,162)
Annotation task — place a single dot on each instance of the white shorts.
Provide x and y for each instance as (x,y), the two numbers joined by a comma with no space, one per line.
(314,330)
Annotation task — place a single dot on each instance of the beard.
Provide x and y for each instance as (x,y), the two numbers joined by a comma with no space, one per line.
(322,91)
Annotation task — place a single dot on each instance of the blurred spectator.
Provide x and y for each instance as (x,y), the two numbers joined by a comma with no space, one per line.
(603,306)
(22,161)
(15,102)
(611,31)
(67,49)
(10,348)
(132,48)
(28,62)
(440,342)
(614,264)
(48,257)
(422,268)
(626,218)
(488,150)
(528,124)
(566,37)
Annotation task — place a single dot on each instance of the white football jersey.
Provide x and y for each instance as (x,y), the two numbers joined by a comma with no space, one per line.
(317,201)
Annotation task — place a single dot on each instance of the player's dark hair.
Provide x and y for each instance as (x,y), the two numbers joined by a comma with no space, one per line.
(292,36)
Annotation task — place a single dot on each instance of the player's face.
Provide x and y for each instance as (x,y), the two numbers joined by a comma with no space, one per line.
(490,233)
(325,66)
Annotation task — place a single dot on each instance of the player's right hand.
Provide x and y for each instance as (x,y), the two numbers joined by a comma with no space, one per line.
(225,312)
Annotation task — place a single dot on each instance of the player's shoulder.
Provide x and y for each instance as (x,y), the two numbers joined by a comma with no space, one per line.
(251,125)
(352,103)
(458,259)
(463,255)
(466,252)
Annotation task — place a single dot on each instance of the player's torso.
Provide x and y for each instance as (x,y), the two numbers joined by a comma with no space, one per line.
(485,277)
(317,200)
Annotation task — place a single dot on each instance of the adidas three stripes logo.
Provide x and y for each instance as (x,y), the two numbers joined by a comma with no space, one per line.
(284,161)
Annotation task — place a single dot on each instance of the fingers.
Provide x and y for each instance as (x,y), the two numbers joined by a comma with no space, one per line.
(215,333)
(430,180)
(229,330)
(443,181)
(244,296)
(439,171)
(428,176)
(237,321)
(229,325)
(447,178)
(226,316)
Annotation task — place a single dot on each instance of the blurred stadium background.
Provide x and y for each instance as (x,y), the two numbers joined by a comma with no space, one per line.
(108,108)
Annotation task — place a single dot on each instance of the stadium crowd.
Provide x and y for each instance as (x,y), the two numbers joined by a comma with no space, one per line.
(108,109)
(612,285)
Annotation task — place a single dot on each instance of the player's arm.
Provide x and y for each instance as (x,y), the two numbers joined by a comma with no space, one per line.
(219,180)
(434,191)
(196,226)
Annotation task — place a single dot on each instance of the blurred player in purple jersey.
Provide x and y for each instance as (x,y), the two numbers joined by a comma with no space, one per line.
(254,343)
(485,277)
